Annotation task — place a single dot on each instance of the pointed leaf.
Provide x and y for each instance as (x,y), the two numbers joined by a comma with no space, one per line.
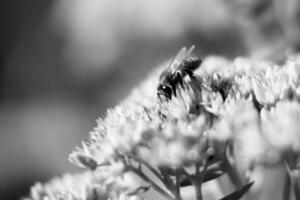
(208,176)
(214,171)
(238,193)
(212,175)
(139,190)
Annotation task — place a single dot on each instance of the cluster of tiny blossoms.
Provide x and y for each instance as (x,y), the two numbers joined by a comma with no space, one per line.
(229,118)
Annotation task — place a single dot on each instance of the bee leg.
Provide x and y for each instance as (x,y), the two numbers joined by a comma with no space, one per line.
(179,77)
(159,97)
(190,74)
(181,82)
(173,90)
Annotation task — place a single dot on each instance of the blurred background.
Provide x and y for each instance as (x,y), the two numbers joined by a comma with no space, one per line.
(63,63)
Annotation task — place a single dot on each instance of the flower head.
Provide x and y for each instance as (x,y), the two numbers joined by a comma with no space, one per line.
(281,126)
(245,111)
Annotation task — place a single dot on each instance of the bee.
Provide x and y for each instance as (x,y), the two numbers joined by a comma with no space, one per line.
(180,66)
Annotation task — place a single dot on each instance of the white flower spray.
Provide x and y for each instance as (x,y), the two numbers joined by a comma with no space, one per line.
(229,119)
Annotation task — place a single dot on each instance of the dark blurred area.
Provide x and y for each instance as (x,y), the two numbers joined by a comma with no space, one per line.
(63,63)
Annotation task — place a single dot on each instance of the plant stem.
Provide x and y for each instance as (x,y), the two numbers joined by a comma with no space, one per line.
(177,194)
(233,175)
(153,184)
(294,174)
(197,185)
(198,179)
(287,187)
(168,182)
(231,170)
(162,177)
(295,178)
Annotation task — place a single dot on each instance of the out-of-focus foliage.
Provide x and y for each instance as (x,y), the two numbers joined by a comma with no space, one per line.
(96,32)
(270,28)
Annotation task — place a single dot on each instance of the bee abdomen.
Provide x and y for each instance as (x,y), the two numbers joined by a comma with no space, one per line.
(191,63)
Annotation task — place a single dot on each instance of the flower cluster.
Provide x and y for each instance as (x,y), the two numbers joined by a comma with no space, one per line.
(228,119)
(88,185)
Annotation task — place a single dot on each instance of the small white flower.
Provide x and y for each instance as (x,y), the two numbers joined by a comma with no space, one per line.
(186,102)
(281,126)
(293,70)
(263,93)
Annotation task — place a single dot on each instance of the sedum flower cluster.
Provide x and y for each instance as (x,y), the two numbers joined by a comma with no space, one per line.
(227,120)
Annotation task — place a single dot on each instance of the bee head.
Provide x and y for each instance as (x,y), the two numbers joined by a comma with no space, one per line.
(164,90)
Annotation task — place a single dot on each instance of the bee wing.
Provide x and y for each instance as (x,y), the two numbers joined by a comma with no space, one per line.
(178,58)
(190,50)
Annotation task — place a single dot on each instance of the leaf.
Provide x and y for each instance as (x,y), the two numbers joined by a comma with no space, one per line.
(238,193)
(208,176)
(139,190)
(212,175)
(214,171)
(87,161)
(168,171)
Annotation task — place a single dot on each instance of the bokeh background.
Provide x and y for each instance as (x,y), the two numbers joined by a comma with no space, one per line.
(63,63)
